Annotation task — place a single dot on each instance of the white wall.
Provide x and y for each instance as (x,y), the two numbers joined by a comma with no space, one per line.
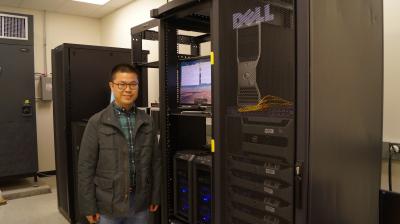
(61,28)
(55,29)
(391,118)
(116,32)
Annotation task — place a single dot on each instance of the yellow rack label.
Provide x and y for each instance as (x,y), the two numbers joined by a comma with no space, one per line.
(212,145)
(212,57)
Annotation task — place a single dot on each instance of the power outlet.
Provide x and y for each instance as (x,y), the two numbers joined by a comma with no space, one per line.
(394,148)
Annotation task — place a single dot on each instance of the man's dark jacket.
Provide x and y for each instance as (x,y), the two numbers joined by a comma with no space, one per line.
(103,167)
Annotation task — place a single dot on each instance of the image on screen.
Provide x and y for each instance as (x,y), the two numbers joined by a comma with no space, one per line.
(195,81)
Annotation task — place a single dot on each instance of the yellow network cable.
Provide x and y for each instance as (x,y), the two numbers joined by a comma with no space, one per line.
(265,103)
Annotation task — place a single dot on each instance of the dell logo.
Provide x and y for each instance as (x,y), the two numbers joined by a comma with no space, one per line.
(269,131)
(252,17)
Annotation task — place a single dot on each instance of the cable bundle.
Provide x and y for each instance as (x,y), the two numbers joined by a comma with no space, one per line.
(266,103)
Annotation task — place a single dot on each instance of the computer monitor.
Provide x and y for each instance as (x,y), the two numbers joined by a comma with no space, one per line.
(195,81)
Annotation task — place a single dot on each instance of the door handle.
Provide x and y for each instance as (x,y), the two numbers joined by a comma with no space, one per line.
(26,109)
(299,185)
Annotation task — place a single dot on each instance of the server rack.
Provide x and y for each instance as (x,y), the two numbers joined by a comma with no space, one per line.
(187,179)
(203,189)
(179,131)
(183,180)
(18,133)
(140,60)
(144,32)
(296,138)
(193,125)
(312,136)
(80,75)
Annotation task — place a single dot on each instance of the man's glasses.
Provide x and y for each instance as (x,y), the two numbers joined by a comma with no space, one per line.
(122,86)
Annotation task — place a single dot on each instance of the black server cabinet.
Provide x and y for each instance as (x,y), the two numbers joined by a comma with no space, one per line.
(80,89)
(18,143)
(298,111)
(297,114)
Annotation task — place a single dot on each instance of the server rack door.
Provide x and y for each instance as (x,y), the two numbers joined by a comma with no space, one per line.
(255,94)
(78,129)
(346,98)
(96,75)
(59,62)
(18,149)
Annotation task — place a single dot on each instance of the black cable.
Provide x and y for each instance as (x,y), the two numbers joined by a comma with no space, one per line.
(390,168)
(40,174)
(394,148)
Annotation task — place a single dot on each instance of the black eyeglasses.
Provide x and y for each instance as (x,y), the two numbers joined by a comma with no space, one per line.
(122,86)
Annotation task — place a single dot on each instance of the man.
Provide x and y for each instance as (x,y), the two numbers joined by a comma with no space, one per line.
(119,168)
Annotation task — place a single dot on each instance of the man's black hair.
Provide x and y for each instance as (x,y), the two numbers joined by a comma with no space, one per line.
(124,68)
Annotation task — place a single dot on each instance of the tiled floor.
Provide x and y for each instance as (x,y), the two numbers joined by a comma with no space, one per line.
(42,209)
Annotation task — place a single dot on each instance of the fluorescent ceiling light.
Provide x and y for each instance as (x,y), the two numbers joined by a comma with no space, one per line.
(96,2)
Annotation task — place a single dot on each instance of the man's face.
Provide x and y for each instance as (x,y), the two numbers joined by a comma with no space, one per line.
(125,87)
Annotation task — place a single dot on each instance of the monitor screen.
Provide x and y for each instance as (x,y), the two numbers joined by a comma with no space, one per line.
(195,81)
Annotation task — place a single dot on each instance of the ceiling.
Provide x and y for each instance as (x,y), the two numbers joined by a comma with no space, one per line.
(68,6)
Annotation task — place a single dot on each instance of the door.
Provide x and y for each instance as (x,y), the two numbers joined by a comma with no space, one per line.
(18,148)
(255,76)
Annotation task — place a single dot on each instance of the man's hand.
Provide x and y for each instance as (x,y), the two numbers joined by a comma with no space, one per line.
(93,218)
(153,208)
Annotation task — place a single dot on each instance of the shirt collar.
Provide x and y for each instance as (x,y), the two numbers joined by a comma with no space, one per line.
(121,110)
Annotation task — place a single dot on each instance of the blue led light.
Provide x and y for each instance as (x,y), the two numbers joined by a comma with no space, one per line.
(183,189)
(185,207)
(205,218)
(206,198)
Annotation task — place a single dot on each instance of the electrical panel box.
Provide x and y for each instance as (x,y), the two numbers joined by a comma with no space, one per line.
(47,88)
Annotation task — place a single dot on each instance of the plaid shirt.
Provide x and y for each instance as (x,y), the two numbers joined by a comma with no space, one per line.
(127,120)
